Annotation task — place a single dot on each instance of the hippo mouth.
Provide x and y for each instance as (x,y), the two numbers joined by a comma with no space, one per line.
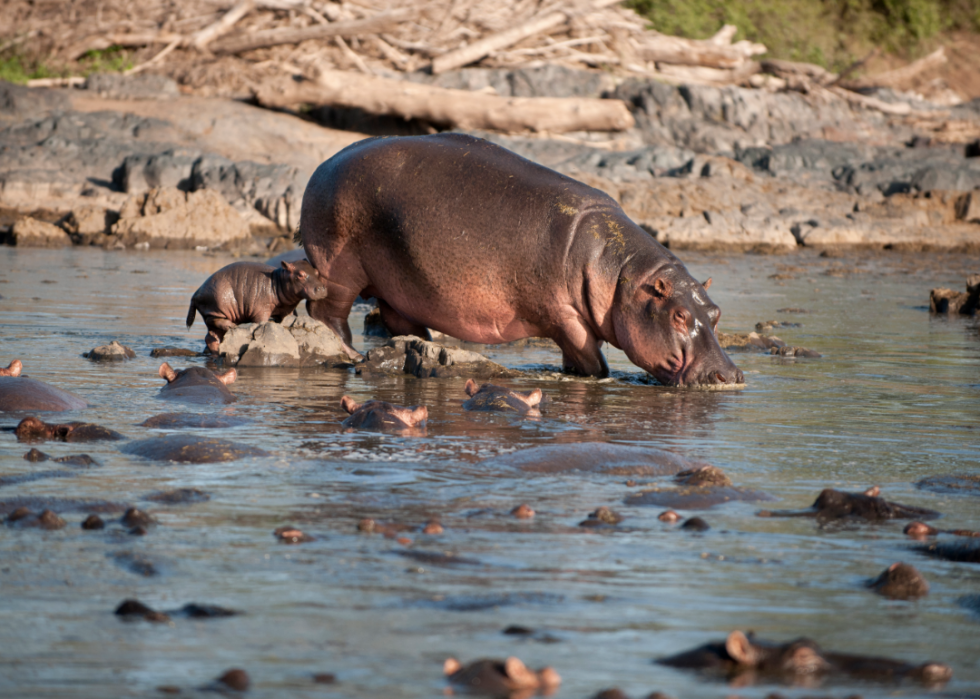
(681,372)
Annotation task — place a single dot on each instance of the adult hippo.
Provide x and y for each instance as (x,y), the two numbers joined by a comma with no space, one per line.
(19,393)
(456,234)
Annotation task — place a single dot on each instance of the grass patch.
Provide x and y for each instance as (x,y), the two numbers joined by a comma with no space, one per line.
(830,33)
(19,68)
(114,59)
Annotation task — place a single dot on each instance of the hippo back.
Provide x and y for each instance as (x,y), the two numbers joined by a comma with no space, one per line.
(22,393)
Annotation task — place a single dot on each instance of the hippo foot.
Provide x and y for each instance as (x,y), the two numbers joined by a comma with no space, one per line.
(213,342)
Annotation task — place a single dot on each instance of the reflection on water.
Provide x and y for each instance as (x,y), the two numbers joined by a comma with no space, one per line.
(893,400)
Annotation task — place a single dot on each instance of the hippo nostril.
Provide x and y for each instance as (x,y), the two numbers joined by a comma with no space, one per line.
(739,376)
(720,378)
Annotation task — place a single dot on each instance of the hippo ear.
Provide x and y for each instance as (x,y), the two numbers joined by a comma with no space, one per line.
(534,397)
(348,404)
(450,666)
(548,677)
(419,414)
(227,377)
(518,674)
(741,650)
(13,369)
(288,267)
(167,372)
(707,284)
(471,388)
(874,491)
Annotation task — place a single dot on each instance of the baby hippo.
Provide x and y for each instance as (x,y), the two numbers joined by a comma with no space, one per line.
(31,429)
(251,292)
(197,385)
(501,679)
(748,659)
(386,417)
(491,397)
(13,369)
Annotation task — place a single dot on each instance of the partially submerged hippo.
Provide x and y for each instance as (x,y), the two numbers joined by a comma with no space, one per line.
(900,581)
(596,457)
(454,233)
(251,292)
(31,429)
(500,678)
(190,449)
(197,385)
(384,416)
(491,397)
(699,488)
(747,658)
(19,393)
(836,505)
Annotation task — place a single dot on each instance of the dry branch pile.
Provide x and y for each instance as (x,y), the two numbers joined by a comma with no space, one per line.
(251,43)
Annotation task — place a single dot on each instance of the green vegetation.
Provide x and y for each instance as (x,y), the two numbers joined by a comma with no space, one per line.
(831,33)
(17,68)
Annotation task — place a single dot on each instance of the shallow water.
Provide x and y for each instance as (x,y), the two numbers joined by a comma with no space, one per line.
(895,398)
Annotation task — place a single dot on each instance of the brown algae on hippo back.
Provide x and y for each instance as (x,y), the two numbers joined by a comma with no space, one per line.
(594,457)
(191,449)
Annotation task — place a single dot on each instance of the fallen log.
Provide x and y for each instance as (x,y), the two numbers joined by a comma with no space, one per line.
(276,37)
(460,109)
(202,38)
(676,50)
(900,76)
(789,70)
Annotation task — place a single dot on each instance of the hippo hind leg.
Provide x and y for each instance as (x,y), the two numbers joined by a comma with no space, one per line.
(217,327)
(397,324)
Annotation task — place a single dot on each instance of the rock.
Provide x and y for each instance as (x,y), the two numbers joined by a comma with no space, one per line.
(173,352)
(727,231)
(968,207)
(166,217)
(413,355)
(171,169)
(113,352)
(87,223)
(317,343)
(298,341)
(93,522)
(140,86)
(271,345)
(31,233)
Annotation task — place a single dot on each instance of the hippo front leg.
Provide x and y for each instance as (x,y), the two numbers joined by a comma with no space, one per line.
(581,351)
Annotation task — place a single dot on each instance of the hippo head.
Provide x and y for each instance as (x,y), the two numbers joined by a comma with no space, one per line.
(381,415)
(196,375)
(665,323)
(13,369)
(31,429)
(303,281)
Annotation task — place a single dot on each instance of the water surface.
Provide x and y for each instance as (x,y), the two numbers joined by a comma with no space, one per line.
(895,398)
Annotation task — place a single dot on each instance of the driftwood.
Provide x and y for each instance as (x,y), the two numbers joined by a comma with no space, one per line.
(675,50)
(275,37)
(900,76)
(202,38)
(449,108)
(702,75)
(484,47)
(792,70)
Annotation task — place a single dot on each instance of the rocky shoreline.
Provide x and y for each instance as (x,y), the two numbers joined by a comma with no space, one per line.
(129,162)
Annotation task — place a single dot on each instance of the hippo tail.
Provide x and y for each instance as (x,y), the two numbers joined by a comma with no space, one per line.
(190,314)
(298,236)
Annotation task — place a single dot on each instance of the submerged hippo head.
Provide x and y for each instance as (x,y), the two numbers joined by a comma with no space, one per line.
(301,280)
(13,369)
(31,429)
(380,415)
(197,384)
(665,323)
(498,398)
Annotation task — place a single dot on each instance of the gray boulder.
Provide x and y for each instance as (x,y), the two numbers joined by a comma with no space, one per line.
(113,352)
(298,341)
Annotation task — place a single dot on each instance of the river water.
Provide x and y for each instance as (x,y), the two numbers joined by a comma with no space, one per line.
(895,398)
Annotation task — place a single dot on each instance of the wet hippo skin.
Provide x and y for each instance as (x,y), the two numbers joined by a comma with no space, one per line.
(491,397)
(454,233)
(837,506)
(197,385)
(383,416)
(748,659)
(30,429)
(596,457)
(190,449)
(22,393)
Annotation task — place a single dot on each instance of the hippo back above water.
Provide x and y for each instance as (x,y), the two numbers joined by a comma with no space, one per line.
(197,385)
(456,234)
(20,393)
